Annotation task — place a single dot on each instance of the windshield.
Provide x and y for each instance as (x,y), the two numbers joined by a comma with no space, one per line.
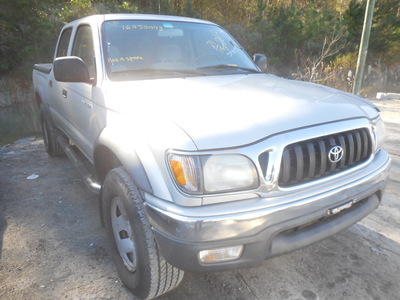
(160,49)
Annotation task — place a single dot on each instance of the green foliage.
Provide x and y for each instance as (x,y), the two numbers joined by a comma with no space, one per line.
(296,35)
(345,62)
(385,41)
(30,28)
(28,34)
(283,35)
(385,33)
(384,44)
(340,72)
(353,20)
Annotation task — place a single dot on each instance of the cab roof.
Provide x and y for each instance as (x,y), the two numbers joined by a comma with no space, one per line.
(142,17)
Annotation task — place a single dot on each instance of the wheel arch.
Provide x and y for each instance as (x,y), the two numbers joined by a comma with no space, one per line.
(107,158)
(41,101)
(41,96)
(104,161)
(38,98)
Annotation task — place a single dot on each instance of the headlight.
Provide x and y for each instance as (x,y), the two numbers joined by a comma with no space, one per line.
(228,173)
(213,173)
(379,133)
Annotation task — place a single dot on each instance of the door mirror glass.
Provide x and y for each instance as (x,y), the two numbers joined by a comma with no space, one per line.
(261,61)
(71,69)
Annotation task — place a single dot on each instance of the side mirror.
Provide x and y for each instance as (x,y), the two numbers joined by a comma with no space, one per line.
(70,69)
(261,61)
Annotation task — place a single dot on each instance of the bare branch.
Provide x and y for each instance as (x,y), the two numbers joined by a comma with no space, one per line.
(312,68)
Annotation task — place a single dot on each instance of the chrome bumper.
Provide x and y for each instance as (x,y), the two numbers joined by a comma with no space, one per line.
(270,231)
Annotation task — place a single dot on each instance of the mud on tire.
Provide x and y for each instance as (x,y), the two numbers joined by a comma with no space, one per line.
(133,248)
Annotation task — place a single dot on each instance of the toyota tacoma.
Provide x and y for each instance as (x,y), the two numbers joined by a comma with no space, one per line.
(202,161)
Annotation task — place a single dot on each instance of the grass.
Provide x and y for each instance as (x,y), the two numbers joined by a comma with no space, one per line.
(19,114)
(18,121)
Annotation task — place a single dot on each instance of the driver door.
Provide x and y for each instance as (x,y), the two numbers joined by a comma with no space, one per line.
(77,97)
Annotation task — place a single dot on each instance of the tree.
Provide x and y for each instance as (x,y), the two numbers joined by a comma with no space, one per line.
(297,35)
(28,33)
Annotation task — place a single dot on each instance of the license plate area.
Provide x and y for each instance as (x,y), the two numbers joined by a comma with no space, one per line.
(340,208)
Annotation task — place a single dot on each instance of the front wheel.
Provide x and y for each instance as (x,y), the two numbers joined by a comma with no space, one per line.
(134,250)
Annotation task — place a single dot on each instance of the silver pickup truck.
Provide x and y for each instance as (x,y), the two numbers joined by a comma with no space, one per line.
(202,161)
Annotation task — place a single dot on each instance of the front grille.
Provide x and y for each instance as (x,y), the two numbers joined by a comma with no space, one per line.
(309,160)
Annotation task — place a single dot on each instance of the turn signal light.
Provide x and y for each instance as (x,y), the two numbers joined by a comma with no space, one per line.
(220,254)
(177,170)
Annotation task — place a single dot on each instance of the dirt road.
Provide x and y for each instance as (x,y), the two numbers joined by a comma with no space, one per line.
(53,247)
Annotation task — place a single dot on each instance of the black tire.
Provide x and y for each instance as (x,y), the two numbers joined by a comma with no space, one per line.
(50,135)
(133,248)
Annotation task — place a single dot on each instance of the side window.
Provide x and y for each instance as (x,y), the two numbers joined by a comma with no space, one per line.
(64,42)
(83,47)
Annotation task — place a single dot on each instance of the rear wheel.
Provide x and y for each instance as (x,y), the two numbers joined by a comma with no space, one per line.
(134,250)
(50,135)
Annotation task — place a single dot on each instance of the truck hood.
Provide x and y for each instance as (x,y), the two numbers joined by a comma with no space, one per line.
(232,110)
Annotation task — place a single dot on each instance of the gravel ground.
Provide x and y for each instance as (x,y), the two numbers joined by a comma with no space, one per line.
(52,245)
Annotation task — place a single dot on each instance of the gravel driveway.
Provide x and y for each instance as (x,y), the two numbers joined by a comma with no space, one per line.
(52,245)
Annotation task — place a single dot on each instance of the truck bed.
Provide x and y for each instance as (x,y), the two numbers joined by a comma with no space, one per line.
(45,68)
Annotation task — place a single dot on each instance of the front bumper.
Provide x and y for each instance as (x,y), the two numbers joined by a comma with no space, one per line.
(271,231)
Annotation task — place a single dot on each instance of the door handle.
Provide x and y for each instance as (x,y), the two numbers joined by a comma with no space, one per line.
(64,93)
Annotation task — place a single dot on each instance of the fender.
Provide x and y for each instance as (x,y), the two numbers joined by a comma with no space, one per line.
(125,151)
(140,144)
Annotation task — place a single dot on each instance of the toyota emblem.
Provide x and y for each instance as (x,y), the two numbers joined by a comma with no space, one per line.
(335,154)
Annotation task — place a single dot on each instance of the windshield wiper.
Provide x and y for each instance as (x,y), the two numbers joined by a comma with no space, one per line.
(222,67)
(154,70)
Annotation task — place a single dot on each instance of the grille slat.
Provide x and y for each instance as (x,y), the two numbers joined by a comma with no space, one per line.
(342,144)
(358,146)
(299,162)
(309,160)
(285,167)
(365,146)
(350,149)
(322,157)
